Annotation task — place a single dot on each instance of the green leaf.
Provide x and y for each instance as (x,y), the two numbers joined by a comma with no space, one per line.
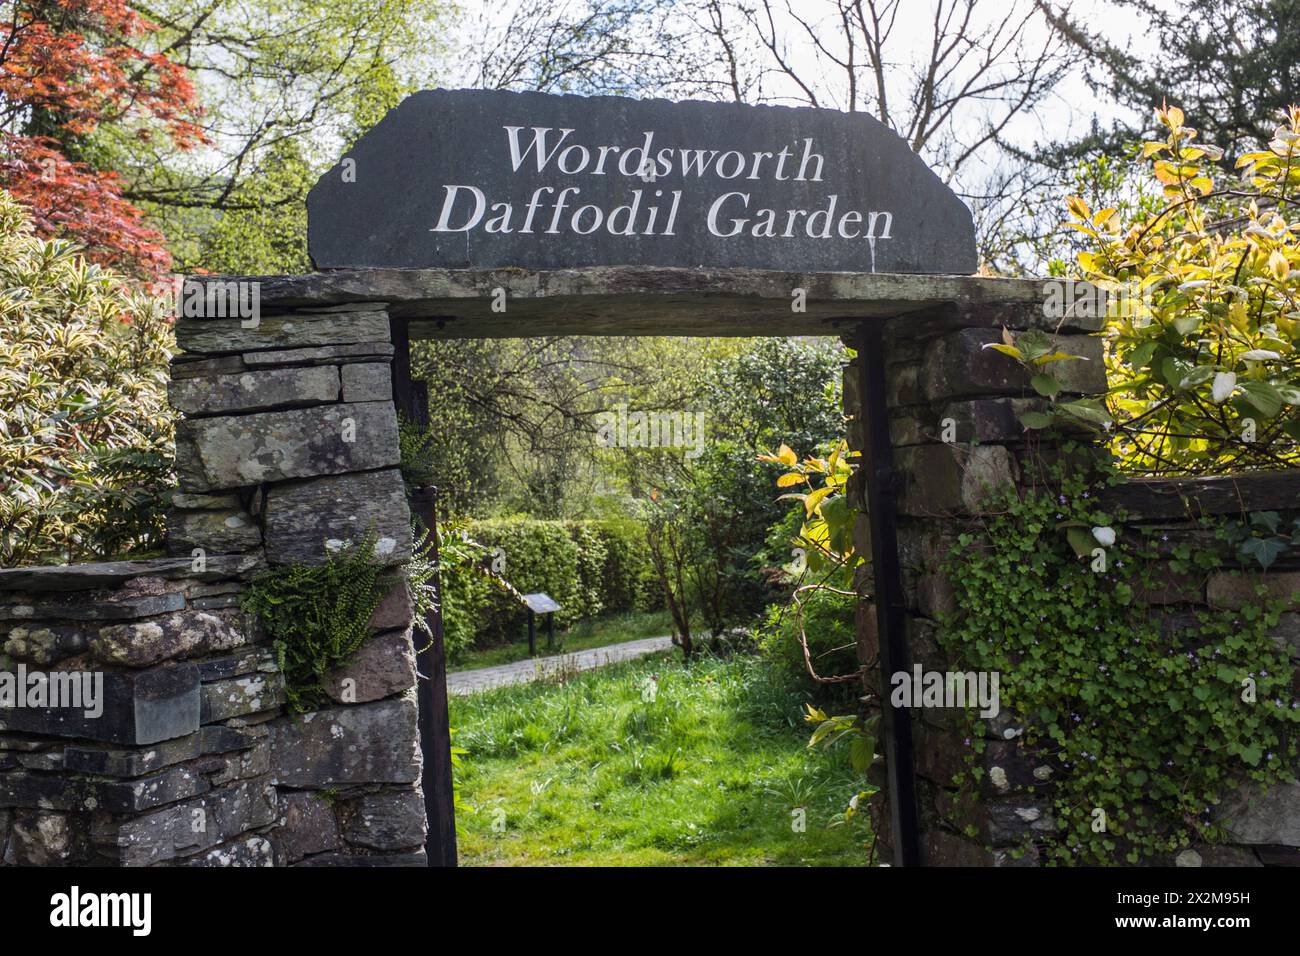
(862,752)
(1081,540)
(1141,355)
(1045,385)
(1011,350)
(1263,396)
(1197,376)
(1035,419)
(1264,550)
(1085,411)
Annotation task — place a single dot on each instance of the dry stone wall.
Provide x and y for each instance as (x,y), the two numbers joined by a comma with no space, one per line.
(937,369)
(287,452)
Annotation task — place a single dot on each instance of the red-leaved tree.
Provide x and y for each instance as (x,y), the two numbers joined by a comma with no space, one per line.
(68,68)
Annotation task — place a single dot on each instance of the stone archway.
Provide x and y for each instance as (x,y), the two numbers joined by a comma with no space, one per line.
(289,449)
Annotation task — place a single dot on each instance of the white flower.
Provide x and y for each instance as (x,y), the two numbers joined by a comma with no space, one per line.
(1224,383)
(1105,536)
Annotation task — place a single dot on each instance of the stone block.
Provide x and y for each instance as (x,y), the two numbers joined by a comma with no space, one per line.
(216,532)
(388,821)
(416,859)
(257,390)
(369,382)
(382,667)
(186,502)
(138,707)
(903,386)
(132,762)
(941,848)
(234,665)
(394,611)
(308,521)
(958,366)
(1012,823)
(66,792)
(307,825)
(48,838)
(94,606)
(195,368)
(935,596)
(1257,815)
(1232,590)
(366,743)
(44,643)
(1215,856)
(192,826)
(241,765)
(987,419)
(215,336)
(235,451)
(169,637)
(325,355)
(1287,633)
(239,696)
(947,479)
(250,851)
(129,575)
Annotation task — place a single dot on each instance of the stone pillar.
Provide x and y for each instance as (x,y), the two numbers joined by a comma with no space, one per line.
(287,452)
(939,373)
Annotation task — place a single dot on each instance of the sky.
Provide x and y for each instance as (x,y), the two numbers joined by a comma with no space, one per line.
(1066,113)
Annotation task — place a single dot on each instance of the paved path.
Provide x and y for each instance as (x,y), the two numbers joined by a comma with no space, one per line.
(522,672)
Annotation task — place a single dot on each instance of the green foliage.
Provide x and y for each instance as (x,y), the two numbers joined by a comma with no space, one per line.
(777,390)
(1202,331)
(263,230)
(860,733)
(422,579)
(86,433)
(417,448)
(318,615)
(1141,715)
(1261,539)
(590,568)
(1230,63)
(467,583)
(829,624)
(653,761)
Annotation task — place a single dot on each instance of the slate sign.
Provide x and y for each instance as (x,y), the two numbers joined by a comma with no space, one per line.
(487,178)
(540,603)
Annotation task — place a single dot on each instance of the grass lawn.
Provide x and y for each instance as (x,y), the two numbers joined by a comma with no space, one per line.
(596,771)
(610,630)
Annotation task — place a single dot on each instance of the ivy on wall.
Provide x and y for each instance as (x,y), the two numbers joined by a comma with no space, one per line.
(1146,717)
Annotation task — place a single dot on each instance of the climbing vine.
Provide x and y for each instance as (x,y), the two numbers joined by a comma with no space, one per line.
(1142,721)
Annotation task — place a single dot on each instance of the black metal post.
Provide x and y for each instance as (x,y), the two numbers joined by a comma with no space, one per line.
(878,464)
(412,402)
(550,631)
(532,634)
(435,727)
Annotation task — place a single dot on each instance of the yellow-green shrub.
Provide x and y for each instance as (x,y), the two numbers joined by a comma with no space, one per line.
(85,430)
(1202,311)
